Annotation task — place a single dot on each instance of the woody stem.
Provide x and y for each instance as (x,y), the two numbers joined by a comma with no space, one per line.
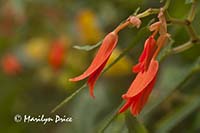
(194,37)
(192,12)
(121,26)
(162,42)
(140,15)
(182,47)
(148,12)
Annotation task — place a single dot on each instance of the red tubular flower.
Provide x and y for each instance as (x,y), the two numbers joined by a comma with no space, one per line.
(99,62)
(145,57)
(56,55)
(11,65)
(139,91)
(147,68)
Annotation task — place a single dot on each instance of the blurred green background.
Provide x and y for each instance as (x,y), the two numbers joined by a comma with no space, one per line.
(32,84)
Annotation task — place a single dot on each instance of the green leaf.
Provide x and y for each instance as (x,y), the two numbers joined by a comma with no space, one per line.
(133,125)
(87,47)
(173,118)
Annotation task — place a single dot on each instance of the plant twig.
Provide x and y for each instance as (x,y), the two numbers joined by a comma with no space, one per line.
(182,47)
(192,32)
(192,12)
(68,98)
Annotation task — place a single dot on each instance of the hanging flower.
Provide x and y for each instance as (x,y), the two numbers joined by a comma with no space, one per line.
(11,65)
(147,68)
(145,57)
(99,62)
(139,91)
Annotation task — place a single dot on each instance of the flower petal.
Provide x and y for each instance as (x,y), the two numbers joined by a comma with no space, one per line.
(137,68)
(142,98)
(146,55)
(93,78)
(142,80)
(109,43)
(126,106)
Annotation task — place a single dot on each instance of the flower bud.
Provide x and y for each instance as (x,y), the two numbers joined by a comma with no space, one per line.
(135,21)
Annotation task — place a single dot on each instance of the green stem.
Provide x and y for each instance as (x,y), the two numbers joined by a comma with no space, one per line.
(176,21)
(187,22)
(192,12)
(192,32)
(140,15)
(148,12)
(112,117)
(68,98)
(167,3)
(182,47)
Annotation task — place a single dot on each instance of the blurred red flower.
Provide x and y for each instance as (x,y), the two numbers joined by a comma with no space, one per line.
(56,54)
(11,65)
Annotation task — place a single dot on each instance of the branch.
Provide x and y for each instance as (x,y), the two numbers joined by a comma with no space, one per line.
(192,12)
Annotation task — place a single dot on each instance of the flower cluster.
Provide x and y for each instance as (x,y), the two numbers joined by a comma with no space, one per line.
(103,54)
(146,69)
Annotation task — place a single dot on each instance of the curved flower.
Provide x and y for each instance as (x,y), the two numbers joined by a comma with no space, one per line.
(99,62)
(138,93)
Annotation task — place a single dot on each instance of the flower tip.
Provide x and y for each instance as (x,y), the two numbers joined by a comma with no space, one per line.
(120,111)
(136,68)
(135,114)
(92,95)
(71,80)
(124,96)
(135,21)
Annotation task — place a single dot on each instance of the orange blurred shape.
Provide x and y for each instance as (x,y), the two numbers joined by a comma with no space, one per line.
(11,65)
(56,54)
